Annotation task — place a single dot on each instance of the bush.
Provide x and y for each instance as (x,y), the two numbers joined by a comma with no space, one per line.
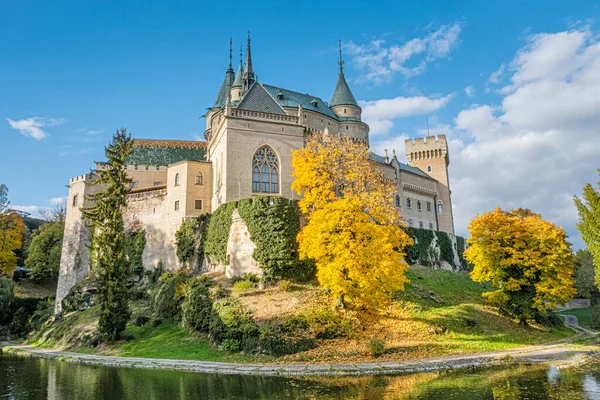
(6,297)
(231,325)
(376,347)
(285,286)
(322,323)
(22,309)
(43,312)
(197,306)
(243,285)
(169,295)
(596,316)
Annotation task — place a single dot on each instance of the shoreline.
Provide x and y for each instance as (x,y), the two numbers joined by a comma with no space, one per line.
(559,355)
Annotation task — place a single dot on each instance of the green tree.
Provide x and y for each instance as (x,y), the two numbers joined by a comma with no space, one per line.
(108,238)
(44,251)
(585,275)
(589,222)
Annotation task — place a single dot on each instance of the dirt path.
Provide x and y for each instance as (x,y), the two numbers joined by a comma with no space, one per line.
(572,322)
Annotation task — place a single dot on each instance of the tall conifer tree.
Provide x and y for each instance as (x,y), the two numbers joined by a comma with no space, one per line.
(108,239)
(589,222)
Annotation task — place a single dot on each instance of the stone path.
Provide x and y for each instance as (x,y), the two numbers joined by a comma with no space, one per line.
(560,354)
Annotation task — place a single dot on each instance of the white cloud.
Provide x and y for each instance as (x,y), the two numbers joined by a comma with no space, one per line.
(497,75)
(74,152)
(380,114)
(33,126)
(379,63)
(541,144)
(58,200)
(33,210)
(89,132)
(470,91)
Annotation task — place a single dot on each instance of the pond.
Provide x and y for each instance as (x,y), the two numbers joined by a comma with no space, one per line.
(31,378)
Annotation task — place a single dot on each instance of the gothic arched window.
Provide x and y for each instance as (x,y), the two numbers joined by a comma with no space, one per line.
(429,168)
(176,179)
(199,178)
(265,171)
(440,207)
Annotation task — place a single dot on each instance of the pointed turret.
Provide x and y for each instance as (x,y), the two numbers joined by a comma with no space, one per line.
(236,87)
(226,85)
(342,96)
(248,77)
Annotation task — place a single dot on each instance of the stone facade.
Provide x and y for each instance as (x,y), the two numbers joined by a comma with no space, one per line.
(251,131)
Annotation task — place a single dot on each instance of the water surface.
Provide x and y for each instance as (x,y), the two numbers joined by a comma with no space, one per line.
(32,378)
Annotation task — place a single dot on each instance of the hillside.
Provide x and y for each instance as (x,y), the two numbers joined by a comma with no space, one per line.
(439,313)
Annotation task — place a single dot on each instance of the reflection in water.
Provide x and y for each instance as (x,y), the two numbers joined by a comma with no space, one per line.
(27,378)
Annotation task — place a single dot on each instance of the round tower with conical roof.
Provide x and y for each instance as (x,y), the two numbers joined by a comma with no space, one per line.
(344,105)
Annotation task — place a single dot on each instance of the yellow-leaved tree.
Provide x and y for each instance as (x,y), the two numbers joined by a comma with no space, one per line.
(527,259)
(11,228)
(354,233)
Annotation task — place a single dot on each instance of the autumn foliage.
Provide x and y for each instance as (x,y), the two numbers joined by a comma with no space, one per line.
(354,233)
(11,227)
(526,258)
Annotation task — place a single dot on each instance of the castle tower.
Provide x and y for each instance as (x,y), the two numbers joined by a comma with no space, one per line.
(237,86)
(344,105)
(430,155)
(75,254)
(226,85)
(248,77)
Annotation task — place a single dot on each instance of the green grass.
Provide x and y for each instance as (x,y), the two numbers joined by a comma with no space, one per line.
(453,302)
(170,341)
(584,315)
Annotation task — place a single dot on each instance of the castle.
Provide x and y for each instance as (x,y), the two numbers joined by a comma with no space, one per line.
(251,130)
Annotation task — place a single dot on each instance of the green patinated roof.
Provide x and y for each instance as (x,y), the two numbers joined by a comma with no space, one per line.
(225,88)
(165,152)
(342,94)
(238,77)
(294,99)
(258,99)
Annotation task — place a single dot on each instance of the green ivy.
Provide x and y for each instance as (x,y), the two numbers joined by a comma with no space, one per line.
(445,246)
(419,251)
(135,242)
(460,248)
(185,241)
(217,233)
(273,224)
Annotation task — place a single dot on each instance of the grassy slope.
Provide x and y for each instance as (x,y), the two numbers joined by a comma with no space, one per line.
(439,313)
(584,315)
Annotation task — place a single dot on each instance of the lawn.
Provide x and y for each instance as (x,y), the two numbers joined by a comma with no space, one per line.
(584,315)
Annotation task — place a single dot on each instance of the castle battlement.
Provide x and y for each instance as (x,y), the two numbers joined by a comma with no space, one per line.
(427,141)
(83,178)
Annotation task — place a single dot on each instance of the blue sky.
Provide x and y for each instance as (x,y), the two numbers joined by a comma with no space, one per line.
(73,72)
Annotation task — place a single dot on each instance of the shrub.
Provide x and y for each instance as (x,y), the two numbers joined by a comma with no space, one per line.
(376,347)
(197,306)
(22,309)
(169,295)
(596,316)
(322,323)
(231,323)
(272,341)
(285,285)
(6,297)
(243,285)
(43,312)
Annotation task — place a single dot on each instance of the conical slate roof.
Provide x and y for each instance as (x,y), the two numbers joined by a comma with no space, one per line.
(238,77)
(225,88)
(342,94)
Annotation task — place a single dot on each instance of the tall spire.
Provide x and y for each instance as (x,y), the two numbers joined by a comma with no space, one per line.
(248,73)
(239,76)
(226,85)
(230,50)
(341,62)
(342,94)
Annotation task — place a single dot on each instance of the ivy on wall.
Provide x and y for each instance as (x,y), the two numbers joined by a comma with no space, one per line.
(185,241)
(273,224)
(445,245)
(419,253)
(422,252)
(217,233)
(135,242)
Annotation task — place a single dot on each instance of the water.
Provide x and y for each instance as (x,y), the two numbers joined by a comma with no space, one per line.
(30,378)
